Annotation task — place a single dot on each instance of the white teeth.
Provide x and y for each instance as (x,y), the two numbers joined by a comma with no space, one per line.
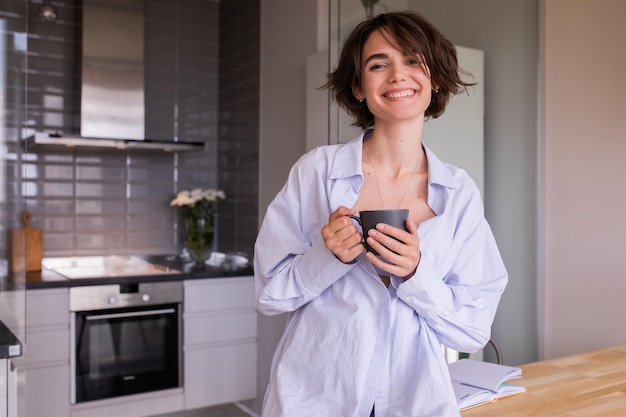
(405,93)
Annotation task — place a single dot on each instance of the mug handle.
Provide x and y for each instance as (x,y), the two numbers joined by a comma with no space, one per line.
(358,219)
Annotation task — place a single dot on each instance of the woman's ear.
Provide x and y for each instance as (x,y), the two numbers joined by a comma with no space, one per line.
(358,94)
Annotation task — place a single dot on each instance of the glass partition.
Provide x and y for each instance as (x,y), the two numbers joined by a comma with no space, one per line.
(13,29)
(12,93)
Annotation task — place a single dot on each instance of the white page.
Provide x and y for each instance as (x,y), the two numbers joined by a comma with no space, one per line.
(468,396)
(482,374)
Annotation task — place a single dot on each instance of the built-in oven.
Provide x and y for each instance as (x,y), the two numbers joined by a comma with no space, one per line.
(126,339)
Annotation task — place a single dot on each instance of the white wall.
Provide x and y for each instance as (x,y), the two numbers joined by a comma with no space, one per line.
(458,136)
(583,270)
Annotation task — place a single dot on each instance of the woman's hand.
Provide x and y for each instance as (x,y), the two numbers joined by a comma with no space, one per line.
(341,236)
(400,248)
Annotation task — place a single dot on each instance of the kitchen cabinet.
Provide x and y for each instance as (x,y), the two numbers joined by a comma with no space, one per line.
(46,360)
(8,389)
(10,348)
(219,348)
(220,341)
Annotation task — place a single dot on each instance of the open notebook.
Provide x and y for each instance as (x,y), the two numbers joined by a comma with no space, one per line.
(477,382)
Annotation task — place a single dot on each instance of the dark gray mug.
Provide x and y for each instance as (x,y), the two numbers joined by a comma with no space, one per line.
(368,219)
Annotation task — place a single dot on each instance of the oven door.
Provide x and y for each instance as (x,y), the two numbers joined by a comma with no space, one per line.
(125,351)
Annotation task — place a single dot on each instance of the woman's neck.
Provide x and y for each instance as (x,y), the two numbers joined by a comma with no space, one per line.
(397,148)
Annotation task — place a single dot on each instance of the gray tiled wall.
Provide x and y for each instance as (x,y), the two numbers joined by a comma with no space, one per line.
(202,61)
(239,120)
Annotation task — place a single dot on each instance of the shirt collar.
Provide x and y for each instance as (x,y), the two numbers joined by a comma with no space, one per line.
(438,172)
(347,163)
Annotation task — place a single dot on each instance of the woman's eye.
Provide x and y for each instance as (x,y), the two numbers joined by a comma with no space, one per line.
(374,67)
(414,61)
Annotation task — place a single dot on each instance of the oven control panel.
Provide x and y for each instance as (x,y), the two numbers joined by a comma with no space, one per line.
(101,297)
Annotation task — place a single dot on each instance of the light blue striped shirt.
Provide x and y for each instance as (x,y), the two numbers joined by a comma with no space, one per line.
(351,342)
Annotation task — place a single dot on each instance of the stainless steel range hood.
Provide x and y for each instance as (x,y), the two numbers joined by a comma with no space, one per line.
(56,140)
(112,82)
(112,93)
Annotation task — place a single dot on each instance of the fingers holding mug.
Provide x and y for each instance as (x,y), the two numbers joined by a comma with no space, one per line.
(341,236)
(368,219)
(398,248)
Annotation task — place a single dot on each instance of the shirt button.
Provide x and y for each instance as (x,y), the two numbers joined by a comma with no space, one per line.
(382,392)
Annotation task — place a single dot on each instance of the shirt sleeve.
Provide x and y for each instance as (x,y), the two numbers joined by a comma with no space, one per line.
(292,265)
(458,298)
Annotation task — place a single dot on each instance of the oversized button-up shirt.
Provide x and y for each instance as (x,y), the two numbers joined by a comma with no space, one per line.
(351,342)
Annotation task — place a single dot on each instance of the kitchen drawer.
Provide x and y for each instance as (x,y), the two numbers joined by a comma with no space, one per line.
(219,294)
(47,392)
(47,307)
(220,374)
(45,346)
(220,327)
(163,403)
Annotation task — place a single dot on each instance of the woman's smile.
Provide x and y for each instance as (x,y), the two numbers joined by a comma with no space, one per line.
(399,93)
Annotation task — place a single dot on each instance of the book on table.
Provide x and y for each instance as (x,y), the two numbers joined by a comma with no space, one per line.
(476,382)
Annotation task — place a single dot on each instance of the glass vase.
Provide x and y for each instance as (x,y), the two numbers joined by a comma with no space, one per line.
(199,238)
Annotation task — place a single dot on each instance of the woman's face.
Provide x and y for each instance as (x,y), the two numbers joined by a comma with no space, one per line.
(395,86)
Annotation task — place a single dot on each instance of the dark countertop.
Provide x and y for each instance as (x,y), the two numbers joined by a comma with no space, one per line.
(10,346)
(49,279)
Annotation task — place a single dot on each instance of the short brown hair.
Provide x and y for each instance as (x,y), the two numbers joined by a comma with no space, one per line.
(413,35)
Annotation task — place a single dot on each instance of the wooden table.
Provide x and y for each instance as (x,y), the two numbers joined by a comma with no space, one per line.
(590,384)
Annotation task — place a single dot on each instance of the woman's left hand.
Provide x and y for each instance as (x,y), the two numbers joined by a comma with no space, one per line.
(400,248)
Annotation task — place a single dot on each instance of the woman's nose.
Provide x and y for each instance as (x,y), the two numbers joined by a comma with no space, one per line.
(396,75)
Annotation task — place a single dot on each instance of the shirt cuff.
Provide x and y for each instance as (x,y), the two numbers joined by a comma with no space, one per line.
(320,268)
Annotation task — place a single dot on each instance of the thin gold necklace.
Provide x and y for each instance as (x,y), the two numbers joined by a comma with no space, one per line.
(382,204)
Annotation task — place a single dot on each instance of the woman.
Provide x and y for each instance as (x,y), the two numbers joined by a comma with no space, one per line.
(364,334)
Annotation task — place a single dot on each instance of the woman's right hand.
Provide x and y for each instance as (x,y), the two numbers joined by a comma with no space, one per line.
(341,236)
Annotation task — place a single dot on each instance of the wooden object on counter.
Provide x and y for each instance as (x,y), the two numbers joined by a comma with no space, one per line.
(25,246)
(590,384)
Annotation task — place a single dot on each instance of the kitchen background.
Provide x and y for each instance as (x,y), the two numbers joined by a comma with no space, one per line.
(515,36)
(201,85)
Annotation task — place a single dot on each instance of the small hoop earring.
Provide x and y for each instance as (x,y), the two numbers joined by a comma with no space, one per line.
(361,99)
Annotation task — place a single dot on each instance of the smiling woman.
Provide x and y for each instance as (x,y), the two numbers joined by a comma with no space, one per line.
(395,85)
(409,38)
(437,280)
